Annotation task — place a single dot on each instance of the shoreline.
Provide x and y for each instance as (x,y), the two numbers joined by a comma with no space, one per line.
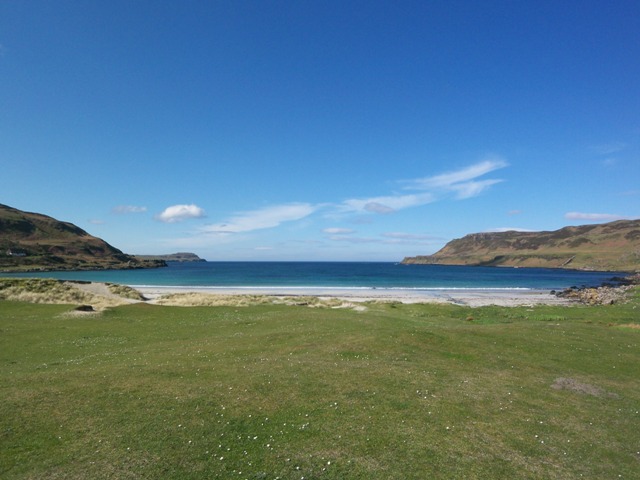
(467,297)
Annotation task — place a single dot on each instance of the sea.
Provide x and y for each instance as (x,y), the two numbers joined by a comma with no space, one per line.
(338,275)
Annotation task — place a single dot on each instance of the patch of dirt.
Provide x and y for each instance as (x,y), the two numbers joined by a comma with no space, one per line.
(573,385)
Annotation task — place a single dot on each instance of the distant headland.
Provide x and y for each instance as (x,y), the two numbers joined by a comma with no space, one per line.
(173,257)
(613,246)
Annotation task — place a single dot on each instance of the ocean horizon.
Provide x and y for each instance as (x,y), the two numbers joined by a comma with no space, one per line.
(337,275)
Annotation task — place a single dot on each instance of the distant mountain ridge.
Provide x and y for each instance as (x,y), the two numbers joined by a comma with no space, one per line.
(607,246)
(32,241)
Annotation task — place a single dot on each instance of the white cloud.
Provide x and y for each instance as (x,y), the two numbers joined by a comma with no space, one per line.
(178,213)
(472,189)
(388,204)
(338,231)
(593,217)
(267,217)
(463,182)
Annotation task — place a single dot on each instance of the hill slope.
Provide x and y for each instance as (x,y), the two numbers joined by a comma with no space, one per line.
(31,241)
(608,246)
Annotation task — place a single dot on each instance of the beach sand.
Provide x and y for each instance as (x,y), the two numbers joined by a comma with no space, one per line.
(473,298)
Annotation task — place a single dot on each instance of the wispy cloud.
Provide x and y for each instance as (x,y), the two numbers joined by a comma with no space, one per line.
(408,236)
(124,209)
(462,182)
(386,204)
(178,213)
(349,239)
(338,231)
(593,217)
(389,238)
(608,148)
(267,217)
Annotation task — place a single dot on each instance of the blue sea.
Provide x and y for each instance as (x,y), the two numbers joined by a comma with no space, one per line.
(340,275)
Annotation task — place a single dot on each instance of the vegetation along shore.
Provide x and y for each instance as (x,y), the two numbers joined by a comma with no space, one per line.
(106,385)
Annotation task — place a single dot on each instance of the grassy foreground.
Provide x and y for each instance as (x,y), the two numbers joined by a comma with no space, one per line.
(291,392)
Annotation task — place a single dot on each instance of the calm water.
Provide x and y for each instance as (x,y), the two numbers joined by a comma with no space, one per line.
(348,275)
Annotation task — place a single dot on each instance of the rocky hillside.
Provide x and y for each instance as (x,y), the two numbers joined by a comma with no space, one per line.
(608,246)
(31,241)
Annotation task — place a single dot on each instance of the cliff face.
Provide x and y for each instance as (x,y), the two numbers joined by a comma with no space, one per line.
(608,246)
(31,241)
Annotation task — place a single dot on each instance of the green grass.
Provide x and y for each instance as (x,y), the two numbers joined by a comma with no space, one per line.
(276,391)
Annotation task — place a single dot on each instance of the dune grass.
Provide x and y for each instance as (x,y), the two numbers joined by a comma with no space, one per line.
(290,392)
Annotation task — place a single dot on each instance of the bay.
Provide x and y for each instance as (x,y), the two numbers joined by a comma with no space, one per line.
(343,275)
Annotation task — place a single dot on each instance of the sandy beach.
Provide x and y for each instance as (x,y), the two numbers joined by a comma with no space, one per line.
(473,298)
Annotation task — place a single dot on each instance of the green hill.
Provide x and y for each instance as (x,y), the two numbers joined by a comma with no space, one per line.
(32,241)
(608,246)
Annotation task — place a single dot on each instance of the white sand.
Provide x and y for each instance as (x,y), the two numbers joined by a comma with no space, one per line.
(473,298)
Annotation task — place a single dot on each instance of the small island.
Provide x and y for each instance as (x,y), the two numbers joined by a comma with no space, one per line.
(172,257)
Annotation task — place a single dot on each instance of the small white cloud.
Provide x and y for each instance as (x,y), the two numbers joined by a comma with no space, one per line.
(267,217)
(124,209)
(263,249)
(338,231)
(593,217)
(178,213)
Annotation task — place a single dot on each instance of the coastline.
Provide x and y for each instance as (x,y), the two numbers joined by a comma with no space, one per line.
(467,297)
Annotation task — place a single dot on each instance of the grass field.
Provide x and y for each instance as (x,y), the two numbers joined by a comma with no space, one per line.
(291,392)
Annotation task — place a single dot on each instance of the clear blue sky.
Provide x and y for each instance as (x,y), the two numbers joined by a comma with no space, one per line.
(318,130)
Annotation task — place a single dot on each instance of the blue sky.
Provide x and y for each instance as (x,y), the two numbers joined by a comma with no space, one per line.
(318,130)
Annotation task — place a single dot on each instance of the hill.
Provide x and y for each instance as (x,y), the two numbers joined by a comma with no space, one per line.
(173,257)
(608,246)
(32,241)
